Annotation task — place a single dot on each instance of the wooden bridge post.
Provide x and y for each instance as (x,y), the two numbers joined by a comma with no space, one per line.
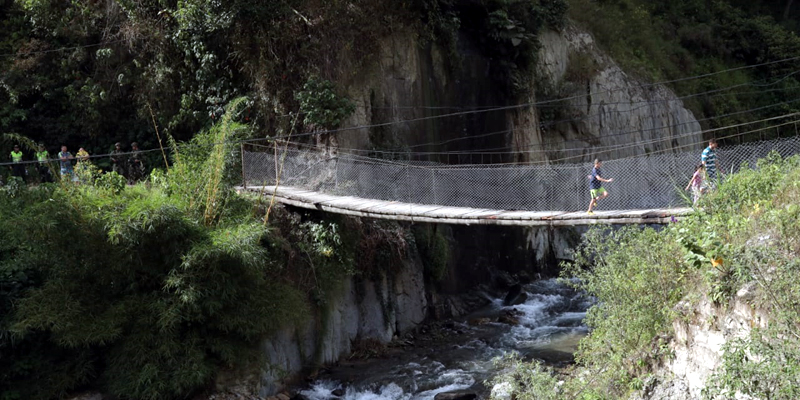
(433,186)
(244,178)
(408,184)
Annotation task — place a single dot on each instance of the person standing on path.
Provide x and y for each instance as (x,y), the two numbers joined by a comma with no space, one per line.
(596,189)
(118,160)
(135,164)
(18,169)
(44,170)
(65,159)
(709,161)
(83,155)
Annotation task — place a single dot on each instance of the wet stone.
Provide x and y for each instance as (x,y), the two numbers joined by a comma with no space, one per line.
(457,395)
(514,296)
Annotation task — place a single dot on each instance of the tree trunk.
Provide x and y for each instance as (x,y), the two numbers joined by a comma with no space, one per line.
(787,9)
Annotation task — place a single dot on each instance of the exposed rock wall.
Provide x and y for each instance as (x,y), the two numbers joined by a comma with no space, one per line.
(412,81)
(364,309)
(604,107)
(700,333)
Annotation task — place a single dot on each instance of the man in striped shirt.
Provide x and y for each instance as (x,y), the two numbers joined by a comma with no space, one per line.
(709,160)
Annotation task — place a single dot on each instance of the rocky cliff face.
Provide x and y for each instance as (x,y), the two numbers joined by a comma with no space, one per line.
(604,107)
(588,105)
(363,310)
(700,333)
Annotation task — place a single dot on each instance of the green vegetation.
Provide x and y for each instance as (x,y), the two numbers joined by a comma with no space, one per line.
(434,249)
(747,233)
(145,292)
(667,40)
(321,106)
(89,74)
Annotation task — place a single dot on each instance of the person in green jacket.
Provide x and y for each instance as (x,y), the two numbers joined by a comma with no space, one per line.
(18,169)
(44,170)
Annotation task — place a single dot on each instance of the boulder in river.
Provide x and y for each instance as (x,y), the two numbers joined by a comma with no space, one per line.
(338,392)
(457,395)
(515,296)
(508,319)
(502,391)
(480,321)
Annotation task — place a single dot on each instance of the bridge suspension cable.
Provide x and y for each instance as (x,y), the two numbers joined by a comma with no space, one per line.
(505,151)
(496,108)
(524,105)
(556,161)
(550,123)
(640,182)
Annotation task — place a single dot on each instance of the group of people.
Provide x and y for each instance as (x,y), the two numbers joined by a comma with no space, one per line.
(703,179)
(128,164)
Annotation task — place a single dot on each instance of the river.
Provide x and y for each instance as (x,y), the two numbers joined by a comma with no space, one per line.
(459,354)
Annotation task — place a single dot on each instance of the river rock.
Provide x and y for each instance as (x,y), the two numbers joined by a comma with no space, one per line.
(502,391)
(338,392)
(515,296)
(88,396)
(457,395)
(479,321)
(503,280)
(508,319)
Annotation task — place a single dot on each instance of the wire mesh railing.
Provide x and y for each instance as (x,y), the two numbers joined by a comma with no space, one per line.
(641,182)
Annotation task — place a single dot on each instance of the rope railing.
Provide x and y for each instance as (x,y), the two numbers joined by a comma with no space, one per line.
(640,182)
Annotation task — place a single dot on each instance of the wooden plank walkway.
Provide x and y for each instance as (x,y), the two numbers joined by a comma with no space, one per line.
(381,209)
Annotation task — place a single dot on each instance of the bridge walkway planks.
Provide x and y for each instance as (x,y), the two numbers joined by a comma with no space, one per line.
(392,210)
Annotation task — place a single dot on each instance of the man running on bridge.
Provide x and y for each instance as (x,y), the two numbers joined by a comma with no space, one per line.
(596,189)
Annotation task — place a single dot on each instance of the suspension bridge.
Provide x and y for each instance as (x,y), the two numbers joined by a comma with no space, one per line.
(647,189)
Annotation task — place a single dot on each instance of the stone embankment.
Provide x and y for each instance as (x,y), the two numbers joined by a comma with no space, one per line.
(701,331)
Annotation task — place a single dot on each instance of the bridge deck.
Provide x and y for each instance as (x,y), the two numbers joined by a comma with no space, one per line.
(381,209)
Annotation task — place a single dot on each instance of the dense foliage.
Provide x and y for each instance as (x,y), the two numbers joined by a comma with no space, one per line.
(89,74)
(747,233)
(146,292)
(669,40)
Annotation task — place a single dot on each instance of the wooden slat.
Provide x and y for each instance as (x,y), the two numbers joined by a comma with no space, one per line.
(381,209)
(352,203)
(481,213)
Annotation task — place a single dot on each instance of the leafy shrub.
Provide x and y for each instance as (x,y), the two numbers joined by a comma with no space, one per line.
(581,67)
(637,276)
(434,249)
(527,380)
(322,106)
(111,181)
(146,292)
